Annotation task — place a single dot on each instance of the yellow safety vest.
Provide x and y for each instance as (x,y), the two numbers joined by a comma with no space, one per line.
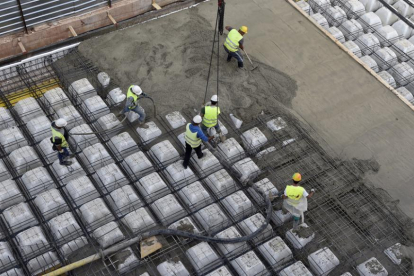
(294,194)
(191,138)
(133,95)
(56,133)
(232,40)
(210,116)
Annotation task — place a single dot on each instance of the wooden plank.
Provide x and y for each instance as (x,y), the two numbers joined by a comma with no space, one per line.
(155,5)
(72,31)
(149,246)
(112,19)
(22,48)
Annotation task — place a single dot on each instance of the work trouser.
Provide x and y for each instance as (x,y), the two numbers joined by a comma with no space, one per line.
(188,150)
(63,155)
(138,109)
(235,55)
(204,129)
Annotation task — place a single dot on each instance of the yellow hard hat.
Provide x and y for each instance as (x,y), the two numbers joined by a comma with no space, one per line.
(296,177)
(243,29)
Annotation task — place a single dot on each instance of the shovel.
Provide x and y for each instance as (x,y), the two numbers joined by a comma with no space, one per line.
(254,67)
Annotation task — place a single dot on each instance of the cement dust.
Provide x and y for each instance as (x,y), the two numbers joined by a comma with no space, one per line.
(169,59)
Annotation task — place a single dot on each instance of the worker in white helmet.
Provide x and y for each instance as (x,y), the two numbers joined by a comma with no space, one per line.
(133,94)
(210,113)
(59,139)
(193,137)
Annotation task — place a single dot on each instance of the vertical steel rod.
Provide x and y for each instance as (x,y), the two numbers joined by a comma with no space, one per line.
(22,16)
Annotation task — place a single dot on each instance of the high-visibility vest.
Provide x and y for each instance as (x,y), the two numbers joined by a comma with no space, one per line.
(134,96)
(232,40)
(191,138)
(294,194)
(210,116)
(56,133)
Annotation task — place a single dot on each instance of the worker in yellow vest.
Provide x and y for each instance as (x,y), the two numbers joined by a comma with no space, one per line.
(134,93)
(233,42)
(193,137)
(59,140)
(296,199)
(210,113)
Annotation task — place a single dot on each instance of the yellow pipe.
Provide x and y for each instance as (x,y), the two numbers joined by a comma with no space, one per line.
(74,265)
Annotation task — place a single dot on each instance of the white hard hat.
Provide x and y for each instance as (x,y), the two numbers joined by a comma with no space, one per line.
(61,122)
(136,90)
(214,98)
(197,119)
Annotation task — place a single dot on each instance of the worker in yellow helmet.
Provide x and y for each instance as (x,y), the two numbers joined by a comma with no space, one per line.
(233,42)
(295,199)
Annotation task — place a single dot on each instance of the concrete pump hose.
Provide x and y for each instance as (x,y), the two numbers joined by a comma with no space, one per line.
(167,232)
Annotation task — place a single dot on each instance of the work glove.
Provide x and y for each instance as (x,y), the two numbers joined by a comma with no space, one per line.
(312,190)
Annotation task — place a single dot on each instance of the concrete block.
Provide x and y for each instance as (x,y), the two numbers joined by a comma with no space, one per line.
(64,227)
(71,115)
(19,217)
(69,248)
(385,58)
(37,181)
(109,122)
(4,172)
(110,177)
(253,139)
(83,141)
(46,150)
(266,187)
(337,34)
(335,16)
(206,164)
(370,62)
(305,7)
(178,176)
(43,262)
(12,139)
(276,252)
(24,159)
(152,187)
(104,79)
(372,267)
(132,116)
(221,183)
(65,174)
(354,9)
(404,50)
(387,17)
(323,261)
(123,145)
(300,238)
(297,269)
(371,22)
(115,96)
(51,203)
(172,268)
(81,190)
(28,109)
(127,260)
(195,196)
(346,274)
(137,164)
(212,218)
(247,170)
(124,200)
(231,249)
(164,152)
(6,120)
(82,89)
(95,157)
(406,94)
(394,253)
(185,224)
(94,107)
(139,221)
(368,43)
(321,20)
(55,99)
(6,255)
(149,134)
(279,217)
(387,35)
(251,224)
(249,264)
(402,73)
(95,213)
(402,29)
(175,119)
(231,150)
(202,257)
(30,241)
(403,8)
(353,47)
(388,78)
(351,29)
(39,128)
(9,194)
(168,209)
(108,234)
(13,272)
(238,205)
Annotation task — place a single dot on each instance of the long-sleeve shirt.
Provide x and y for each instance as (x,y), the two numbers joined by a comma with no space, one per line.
(200,133)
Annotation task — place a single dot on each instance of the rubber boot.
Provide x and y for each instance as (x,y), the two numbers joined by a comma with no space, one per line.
(143,125)
(240,65)
(66,163)
(228,58)
(296,223)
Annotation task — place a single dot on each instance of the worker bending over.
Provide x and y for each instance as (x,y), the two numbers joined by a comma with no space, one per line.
(133,95)
(233,42)
(193,137)
(210,113)
(59,139)
(296,199)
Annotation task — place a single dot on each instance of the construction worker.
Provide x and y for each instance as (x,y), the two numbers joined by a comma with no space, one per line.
(59,139)
(193,137)
(210,113)
(296,199)
(233,42)
(133,94)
